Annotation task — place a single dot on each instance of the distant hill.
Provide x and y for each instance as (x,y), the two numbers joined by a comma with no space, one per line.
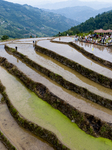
(103,21)
(95,4)
(79,13)
(19,21)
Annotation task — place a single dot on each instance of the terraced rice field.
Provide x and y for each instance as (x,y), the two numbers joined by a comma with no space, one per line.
(69,52)
(65,117)
(18,136)
(100,51)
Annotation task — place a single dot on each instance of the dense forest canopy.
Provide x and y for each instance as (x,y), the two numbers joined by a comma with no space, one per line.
(103,21)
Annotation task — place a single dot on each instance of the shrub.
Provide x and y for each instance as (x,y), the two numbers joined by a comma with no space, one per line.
(4,37)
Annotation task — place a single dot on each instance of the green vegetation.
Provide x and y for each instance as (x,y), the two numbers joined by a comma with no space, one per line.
(103,21)
(23,21)
(4,37)
(47,117)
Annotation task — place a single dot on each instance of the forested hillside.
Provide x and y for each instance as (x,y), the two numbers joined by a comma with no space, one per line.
(103,21)
(18,21)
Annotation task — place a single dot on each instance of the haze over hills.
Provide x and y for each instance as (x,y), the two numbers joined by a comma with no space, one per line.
(18,21)
(71,3)
(103,21)
(79,13)
(22,21)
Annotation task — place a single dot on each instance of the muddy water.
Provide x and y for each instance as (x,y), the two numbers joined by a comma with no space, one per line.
(72,98)
(19,137)
(30,40)
(65,72)
(25,41)
(2,147)
(40,112)
(100,51)
(64,39)
(33,39)
(73,54)
(2,43)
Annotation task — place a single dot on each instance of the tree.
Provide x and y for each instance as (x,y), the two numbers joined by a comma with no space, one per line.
(103,21)
(4,37)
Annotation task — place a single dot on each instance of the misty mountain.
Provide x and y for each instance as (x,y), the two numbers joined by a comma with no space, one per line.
(71,3)
(79,13)
(18,21)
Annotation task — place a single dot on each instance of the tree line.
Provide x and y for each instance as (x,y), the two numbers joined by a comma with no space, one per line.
(103,21)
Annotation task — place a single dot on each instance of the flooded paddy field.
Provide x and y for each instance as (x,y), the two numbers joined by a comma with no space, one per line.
(71,53)
(64,39)
(70,97)
(67,73)
(38,111)
(32,39)
(19,137)
(100,51)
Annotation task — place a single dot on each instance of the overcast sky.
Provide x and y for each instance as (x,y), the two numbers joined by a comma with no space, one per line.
(98,0)
(33,2)
(49,4)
